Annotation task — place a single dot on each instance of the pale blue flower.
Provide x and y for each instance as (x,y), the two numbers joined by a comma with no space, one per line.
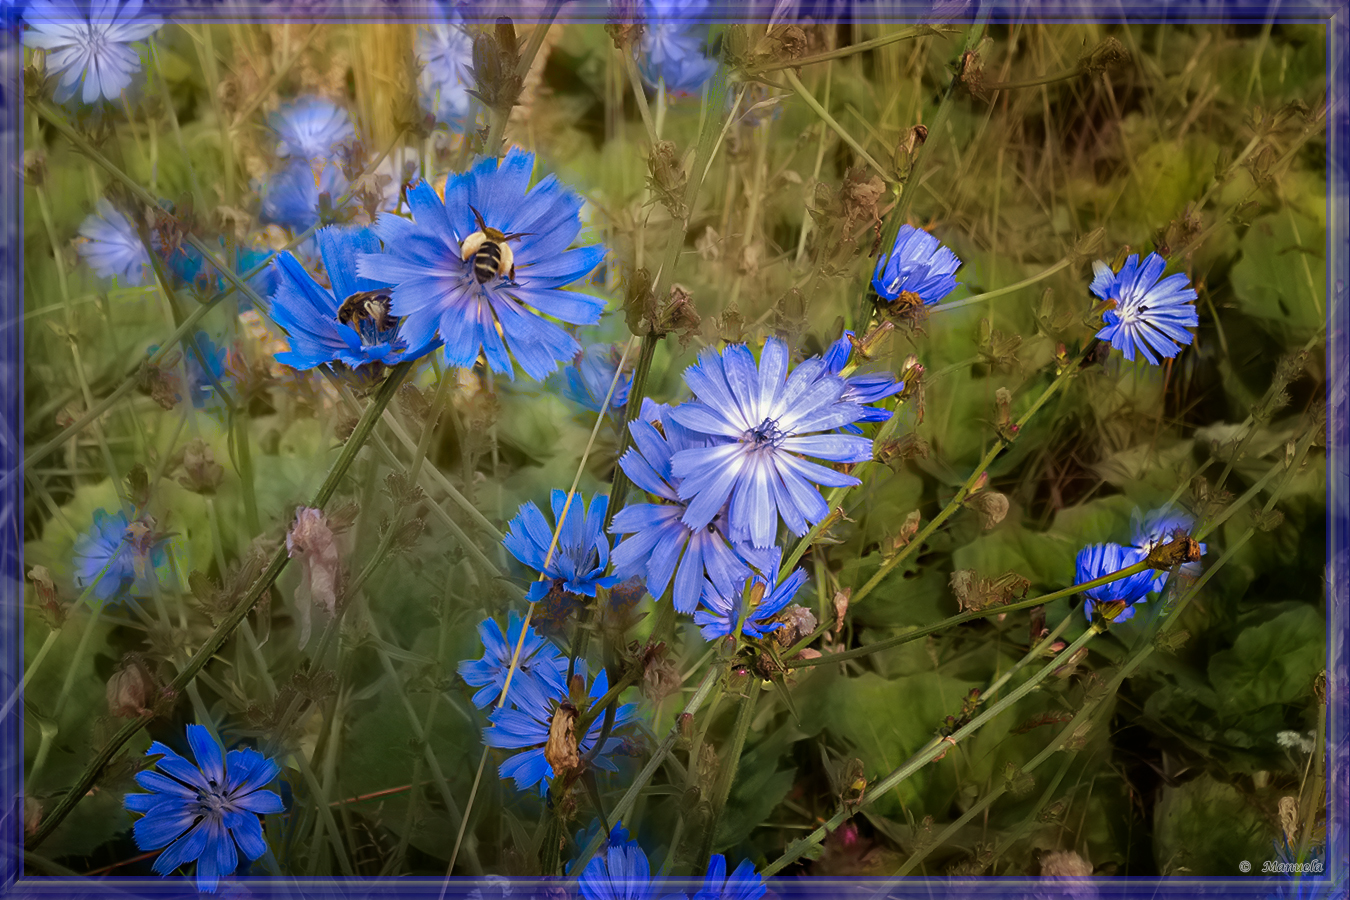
(312,129)
(88,47)
(1150,316)
(446,54)
(111,246)
(762,423)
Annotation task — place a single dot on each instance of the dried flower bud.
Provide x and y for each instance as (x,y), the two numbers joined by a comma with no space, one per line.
(50,607)
(1109,54)
(841,599)
(668,178)
(129,688)
(202,473)
(159,382)
(991,506)
(975,593)
(561,747)
(496,64)
(1064,864)
(1289,819)
(660,675)
(311,539)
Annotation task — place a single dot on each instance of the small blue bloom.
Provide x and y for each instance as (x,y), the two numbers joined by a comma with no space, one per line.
(446,54)
(311,129)
(1150,315)
(200,812)
(672,44)
(108,544)
(527,726)
(742,884)
(291,196)
(589,378)
(349,323)
(1098,560)
(541,671)
(760,422)
(88,46)
(659,543)
(111,246)
(444,277)
(621,872)
(864,388)
(579,560)
(1157,529)
(722,604)
(917,264)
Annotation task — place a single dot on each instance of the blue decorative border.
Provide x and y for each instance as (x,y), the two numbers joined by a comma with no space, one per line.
(1337,857)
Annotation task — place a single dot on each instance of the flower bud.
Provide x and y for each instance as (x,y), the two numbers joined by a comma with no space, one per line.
(129,688)
(561,747)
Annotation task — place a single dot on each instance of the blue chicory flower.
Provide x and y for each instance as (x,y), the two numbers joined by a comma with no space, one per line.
(865,387)
(1150,315)
(111,246)
(526,727)
(742,884)
(200,812)
(723,604)
(589,378)
(107,544)
(446,54)
(659,543)
(88,47)
(672,45)
(621,872)
(311,129)
(445,277)
(917,264)
(1098,560)
(1156,529)
(582,553)
(349,323)
(541,671)
(290,197)
(761,423)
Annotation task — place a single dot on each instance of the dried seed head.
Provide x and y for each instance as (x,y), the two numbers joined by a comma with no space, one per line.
(129,688)
(1064,863)
(561,747)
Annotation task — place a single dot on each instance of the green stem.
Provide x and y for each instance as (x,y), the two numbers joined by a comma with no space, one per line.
(625,804)
(1012,288)
(726,773)
(951,621)
(838,129)
(223,631)
(842,52)
(933,751)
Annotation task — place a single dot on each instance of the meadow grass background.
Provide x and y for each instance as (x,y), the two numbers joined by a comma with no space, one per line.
(1047,147)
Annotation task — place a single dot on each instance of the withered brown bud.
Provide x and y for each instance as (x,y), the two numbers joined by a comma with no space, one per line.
(667,178)
(1289,818)
(660,675)
(159,382)
(841,599)
(560,750)
(991,506)
(791,41)
(312,541)
(129,688)
(1064,864)
(975,593)
(496,61)
(50,607)
(1109,54)
(202,473)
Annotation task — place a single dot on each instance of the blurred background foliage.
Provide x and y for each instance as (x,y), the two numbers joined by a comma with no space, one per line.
(1045,146)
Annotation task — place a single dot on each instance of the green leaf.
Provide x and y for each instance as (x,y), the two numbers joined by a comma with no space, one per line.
(1205,827)
(1271,663)
(1279,275)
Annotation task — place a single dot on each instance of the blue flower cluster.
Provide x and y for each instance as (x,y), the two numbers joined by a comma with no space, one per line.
(311,132)
(538,689)
(445,52)
(622,872)
(1099,560)
(672,45)
(722,472)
